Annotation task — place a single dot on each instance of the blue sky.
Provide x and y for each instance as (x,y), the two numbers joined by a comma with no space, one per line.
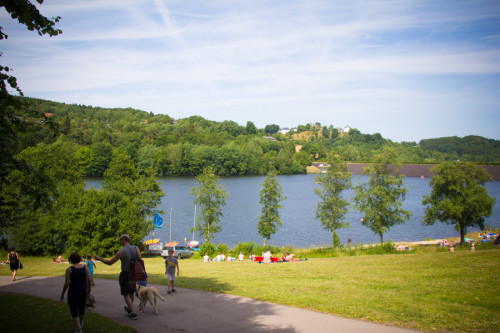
(409,70)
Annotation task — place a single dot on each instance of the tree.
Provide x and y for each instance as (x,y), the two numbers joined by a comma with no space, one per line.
(40,230)
(16,120)
(210,196)
(458,196)
(250,128)
(332,208)
(271,129)
(142,189)
(381,199)
(325,132)
(87,220)
(270,198)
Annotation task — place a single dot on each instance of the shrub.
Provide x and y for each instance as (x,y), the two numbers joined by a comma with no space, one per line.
(246,248)
(222,248)
(385,248)
(258,249)
(287,248)
(207,248)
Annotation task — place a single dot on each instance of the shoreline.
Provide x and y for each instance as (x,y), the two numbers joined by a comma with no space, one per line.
(408,170)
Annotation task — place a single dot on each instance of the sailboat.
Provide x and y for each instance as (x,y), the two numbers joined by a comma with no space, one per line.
(193,243)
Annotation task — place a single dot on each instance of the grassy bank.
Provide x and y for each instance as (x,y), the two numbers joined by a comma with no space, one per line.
(437,291)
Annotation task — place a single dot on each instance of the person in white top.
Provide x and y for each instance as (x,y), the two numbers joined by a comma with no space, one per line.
(267,257)
(229,257)
(206,258)
(223,256)
(241,257)
(219,257)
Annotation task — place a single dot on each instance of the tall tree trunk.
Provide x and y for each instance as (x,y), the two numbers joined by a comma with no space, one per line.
(334,239)
(381,238)
(462,235)
(265,241)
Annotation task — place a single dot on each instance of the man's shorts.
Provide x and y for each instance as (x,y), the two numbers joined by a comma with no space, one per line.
(126,287)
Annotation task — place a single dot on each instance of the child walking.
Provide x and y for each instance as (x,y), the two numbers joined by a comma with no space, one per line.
(171,265)
(91,264)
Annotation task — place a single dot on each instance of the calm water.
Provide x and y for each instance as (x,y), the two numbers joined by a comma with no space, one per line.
(300,228)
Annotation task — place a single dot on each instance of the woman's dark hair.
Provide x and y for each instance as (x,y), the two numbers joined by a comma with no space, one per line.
(74,258)
(12,249)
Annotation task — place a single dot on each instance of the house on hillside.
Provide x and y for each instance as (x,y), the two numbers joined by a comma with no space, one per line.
(347,129)
(284,130)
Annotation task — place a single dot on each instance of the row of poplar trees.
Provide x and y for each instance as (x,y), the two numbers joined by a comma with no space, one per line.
(458,197)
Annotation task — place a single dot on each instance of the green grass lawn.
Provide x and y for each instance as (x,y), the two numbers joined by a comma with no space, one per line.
(437,291)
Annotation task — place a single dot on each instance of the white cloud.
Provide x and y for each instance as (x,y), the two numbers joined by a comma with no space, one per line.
(295,61)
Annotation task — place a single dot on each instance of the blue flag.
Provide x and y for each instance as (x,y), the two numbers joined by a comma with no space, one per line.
(158,221)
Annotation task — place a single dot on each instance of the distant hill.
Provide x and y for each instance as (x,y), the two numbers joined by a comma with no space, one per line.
(467,148)
(179,147)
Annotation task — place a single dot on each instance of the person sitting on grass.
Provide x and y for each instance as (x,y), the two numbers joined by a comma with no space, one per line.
(497,240)
(267,257)
(288,256)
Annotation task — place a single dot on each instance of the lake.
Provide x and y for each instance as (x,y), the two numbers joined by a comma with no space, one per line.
(300,228)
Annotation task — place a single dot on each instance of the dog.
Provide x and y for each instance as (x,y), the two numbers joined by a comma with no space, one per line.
(145,294)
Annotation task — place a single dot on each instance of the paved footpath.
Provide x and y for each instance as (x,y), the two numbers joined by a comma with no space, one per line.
(199,311)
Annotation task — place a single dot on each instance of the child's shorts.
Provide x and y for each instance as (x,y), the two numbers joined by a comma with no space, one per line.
(171,277)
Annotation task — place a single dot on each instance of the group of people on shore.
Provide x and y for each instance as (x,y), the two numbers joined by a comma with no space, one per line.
(222,257)
(266,258)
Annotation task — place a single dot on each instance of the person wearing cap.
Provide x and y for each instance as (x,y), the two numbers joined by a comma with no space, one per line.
(125,255)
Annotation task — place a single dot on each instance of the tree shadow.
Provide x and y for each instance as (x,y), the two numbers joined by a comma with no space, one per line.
(212,311)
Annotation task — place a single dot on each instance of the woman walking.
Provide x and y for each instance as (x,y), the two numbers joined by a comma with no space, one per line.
(78,281)
(13,258)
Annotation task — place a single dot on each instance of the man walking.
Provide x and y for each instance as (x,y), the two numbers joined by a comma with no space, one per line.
(125,255)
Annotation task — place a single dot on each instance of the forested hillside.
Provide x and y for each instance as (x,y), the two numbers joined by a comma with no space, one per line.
(471,148)
(170,147)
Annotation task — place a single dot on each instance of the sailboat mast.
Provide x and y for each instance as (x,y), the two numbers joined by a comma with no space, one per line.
(194,220)
(170,225)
